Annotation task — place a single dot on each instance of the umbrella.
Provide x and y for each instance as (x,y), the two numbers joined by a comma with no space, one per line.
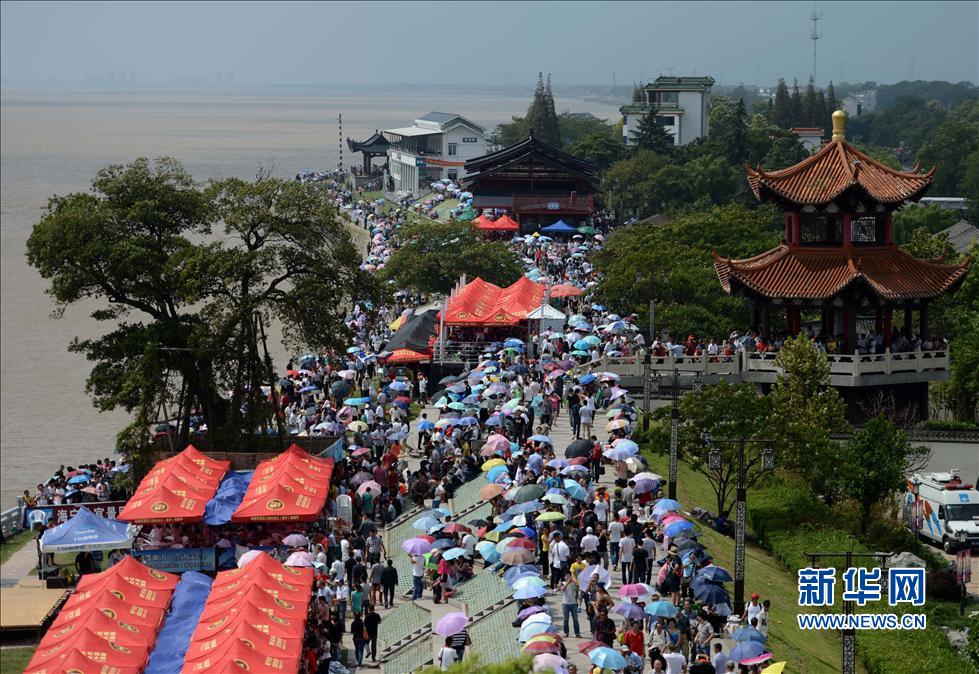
(300,559)
(451,623)
(746,650)
(749,634)
(630,611)
(635,590)
(523,508)
(626,444)
(645,486)
(604,577)
(715,573)
(514,572)
(416,546)
(774,668)
(617,454)
(556,499)
(443,544)
(674,528)
(606,658)
(425,425)
(616,424)
(529,591)
(534,629)
(426,523)
(527,612)
(575,490)
(550,516)
(491,491)
(247,557)
(541,647)
(579,448)
(529,492)
(662,609)
(295,540)
(79,479)
(757,660)
(455,527)
(530,581)
(517,556)
(371,486)
(589,646)
(497,472)
(665,504)
(712,594)
(557,463)
(524,543)
(493,463)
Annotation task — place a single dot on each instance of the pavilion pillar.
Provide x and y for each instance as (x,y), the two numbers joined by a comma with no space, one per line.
(793,320)
(788,227)
(907,321)
(849,330)
(878,320)
(766,322)
(755,316)
(847,234)
(826,322)
(889,228)
(796,229)
(923,321)
(888,328)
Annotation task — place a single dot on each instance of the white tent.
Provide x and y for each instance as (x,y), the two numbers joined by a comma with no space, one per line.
(553,319)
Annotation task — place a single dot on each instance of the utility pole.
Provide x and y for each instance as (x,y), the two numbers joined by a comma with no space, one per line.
(848,655)
(715,462)
(815,35)
(674,432)
(340,142)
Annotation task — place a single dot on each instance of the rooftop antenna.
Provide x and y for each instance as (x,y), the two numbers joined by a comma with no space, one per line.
(815,35)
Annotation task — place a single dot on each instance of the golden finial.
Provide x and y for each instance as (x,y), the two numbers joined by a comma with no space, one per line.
(839,125)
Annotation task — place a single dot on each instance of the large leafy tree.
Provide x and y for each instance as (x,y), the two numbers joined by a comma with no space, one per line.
(805,411)
(875,465)
(141,248)
(950,147)
(435,254)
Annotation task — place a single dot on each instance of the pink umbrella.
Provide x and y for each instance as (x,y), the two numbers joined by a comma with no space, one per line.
(360,451)
(247,557)
(487,451)
(497,442)
(635,590)
(451,623)
(757,660)
(300,559)
(416,546)
(546,662)
(370,485)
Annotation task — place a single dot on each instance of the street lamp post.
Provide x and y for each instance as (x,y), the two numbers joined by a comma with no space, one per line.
(674,433)
(915,508)
(714,462)
(645,391)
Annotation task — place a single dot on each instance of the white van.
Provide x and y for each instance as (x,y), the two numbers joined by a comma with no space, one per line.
(948,506)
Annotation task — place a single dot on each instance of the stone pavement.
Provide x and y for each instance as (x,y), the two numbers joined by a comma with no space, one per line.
(20,564)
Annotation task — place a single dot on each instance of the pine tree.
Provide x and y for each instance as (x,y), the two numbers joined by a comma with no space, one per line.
(535,113)
(821,114)
(637,94)
(739,134)
(651,135)
(551,133)
(795,105)
(810,106)
(782,110)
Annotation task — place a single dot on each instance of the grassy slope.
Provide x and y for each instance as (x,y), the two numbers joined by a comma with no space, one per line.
(14,660)
(806,652)
(13,544)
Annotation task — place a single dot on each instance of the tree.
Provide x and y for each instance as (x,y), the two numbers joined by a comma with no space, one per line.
(509,133)
(928,246)
(651,135)
(949,147)
(638,95)
(805,410)
(725,411)
(875,465)
(436,254)
(782,108)
(930,217)
(832,105)
(140,244)
(574,127)
(795,105)
(907,124)
(601,147)
(541,117)
(810,106)
(728,126)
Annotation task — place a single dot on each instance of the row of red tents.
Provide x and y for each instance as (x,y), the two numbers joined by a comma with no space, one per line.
(504,223)
(109,624)
(293,486)
(254,620)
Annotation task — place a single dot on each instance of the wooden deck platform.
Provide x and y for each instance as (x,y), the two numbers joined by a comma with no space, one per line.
(29,606)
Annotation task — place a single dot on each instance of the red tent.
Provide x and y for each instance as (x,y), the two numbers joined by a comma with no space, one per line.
(407,356)
(176,490)
(293,486)
(482,303)
(502,224)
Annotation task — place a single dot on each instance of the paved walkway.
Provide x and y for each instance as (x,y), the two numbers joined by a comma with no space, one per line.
(19,565)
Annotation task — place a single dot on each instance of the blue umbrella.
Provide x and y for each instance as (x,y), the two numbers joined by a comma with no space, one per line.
(575,490)
(443,544)
(746,650)
(79,479)
(496,471)
(627,445)
(523,574)
(529,592)
(513,342)
(468,421)
(712,594)
(426,425)
(715,573)
(454,553)
(504,526)
(399,386)
(535,628)
(487,549)
(493,421)
(426,523)
(514,571)
(674,528)
(619,454)
(606,658)
(307,389)
(541,438)
(523,508)
(584,346)
(749,634)
(662,609)
(588,378)
(666,505)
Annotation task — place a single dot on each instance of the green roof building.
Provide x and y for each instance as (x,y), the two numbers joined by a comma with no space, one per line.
(681,105)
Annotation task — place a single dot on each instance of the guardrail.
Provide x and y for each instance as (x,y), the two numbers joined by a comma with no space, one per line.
(10,521)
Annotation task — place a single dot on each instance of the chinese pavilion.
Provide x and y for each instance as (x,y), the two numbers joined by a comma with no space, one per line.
(838,259)
(537,183)
(375,146)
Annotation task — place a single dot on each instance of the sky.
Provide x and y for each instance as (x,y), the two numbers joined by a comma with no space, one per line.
(496,43)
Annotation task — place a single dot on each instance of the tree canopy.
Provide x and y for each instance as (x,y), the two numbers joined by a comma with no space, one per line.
(143,247)
(541,117)
(434,255)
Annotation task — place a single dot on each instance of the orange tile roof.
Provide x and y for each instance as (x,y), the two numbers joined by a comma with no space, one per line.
(820,273)
(836,168)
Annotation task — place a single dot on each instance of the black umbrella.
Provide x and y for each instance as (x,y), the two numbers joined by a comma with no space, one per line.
(448,380)
(341,388)
(580,447)
(479,523)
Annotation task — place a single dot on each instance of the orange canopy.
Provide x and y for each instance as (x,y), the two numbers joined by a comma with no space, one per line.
(242,657)
(407,356)
(565,290)
(75,661)
(176,490)
(482,303)
(504,223)
(293,486)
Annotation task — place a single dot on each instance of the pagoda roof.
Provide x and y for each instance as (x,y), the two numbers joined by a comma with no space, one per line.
(791,272)
(376,144)
(838,168)
(532,149)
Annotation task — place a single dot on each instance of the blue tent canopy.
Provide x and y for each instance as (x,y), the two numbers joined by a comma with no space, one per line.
(185,610)
(227,498)
(87,531)
(559,226)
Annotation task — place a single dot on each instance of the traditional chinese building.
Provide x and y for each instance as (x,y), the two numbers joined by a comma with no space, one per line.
(375,146)
(838,262)
(537,183)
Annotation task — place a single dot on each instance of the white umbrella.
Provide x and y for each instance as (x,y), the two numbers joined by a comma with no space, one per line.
(247,557)
(295,540)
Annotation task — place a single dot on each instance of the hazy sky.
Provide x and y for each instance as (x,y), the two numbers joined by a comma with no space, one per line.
(494,43)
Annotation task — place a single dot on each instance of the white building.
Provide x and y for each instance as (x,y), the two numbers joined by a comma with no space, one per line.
(436,146)
(681,106)
(810,137)
(860,103)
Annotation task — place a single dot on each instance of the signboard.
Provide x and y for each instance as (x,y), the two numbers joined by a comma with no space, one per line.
(553,205)
(63,513)
(345,509)
(181,559)
(963,566)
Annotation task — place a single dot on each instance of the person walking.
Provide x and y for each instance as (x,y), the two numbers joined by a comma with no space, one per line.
(570,592)
(417,576)
(359,634)
(447,655)
(389,581)
(371,622)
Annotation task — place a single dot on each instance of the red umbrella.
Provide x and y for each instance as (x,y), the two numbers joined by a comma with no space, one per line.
(455,527)
(403,399)
(522,543)
(430,539)
(591,645)
(578,461)
(541,647)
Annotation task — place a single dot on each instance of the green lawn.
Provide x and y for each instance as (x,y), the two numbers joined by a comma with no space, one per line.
(13,544)
(806,652)
(15,659)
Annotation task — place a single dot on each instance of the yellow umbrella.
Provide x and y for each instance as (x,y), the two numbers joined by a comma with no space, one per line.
(493,463)
(357,426)
(774,668)
(492,536)
(550,516)
(616,424)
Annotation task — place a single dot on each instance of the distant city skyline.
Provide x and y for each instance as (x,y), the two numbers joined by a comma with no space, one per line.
(263,44)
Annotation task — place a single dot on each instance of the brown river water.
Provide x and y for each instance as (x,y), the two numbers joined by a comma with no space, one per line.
(55,142)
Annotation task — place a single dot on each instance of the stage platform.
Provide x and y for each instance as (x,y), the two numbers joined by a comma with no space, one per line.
(28,607)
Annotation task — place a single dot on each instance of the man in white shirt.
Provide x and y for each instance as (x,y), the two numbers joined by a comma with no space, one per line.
(469,544)
(615,530)
(720,658)
(559,553)
(601,510)
(589,542)
(675,662)
(626,547)
(417,575)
